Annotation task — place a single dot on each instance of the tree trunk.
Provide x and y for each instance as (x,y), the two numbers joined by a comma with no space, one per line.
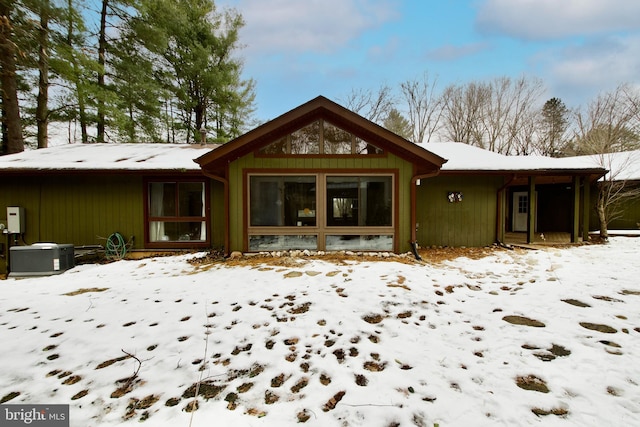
(42,110)
(14,142)
(602,216)
(102,48)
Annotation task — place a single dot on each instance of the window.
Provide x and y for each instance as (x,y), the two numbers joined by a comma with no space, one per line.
(359,201)
(320,138)
(320,211)
(176,212)
(288,201)
(523,204)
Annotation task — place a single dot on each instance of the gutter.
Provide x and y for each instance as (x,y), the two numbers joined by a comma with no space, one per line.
(414,227)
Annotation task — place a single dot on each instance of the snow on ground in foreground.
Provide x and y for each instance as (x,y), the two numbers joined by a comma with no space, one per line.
(282,345)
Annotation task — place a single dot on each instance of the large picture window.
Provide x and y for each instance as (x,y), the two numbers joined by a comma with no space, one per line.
(279,201)
(320,211)
(359,201)
(176,212)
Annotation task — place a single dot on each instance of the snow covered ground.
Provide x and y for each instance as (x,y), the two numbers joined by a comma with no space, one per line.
(352,343)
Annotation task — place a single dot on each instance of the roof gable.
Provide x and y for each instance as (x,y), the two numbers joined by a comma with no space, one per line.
(319,108)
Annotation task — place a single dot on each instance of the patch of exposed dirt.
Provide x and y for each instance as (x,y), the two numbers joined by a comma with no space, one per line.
(606,329)
(525,321)
(560,412)
(432,255)
(84,291)
(533,383)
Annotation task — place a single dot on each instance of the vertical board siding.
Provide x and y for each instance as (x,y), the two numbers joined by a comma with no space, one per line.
(313,164)
(77,209)
(216,216)
(471,222)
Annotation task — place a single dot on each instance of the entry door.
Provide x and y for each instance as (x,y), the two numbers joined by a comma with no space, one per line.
(520,210)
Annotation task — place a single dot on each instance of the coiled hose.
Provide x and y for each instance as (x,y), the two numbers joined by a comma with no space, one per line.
(116,246)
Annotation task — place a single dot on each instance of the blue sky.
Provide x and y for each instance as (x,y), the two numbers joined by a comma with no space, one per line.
(296,50)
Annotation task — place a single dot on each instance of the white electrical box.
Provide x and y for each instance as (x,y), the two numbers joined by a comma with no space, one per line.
(15,220)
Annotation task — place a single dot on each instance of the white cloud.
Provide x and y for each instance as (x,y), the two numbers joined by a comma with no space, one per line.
(549,19)
(583,71)
(291,26)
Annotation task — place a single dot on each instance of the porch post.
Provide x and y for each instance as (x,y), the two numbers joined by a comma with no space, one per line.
(586,207)
(575,228)
(531,213)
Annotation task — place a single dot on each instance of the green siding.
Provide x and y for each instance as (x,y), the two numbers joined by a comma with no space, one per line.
(471,222)
(76,209)
(312,164)
(81,209)
(217,214)
(86,209)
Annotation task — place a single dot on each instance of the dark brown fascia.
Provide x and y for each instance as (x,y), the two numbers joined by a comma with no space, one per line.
(318,108)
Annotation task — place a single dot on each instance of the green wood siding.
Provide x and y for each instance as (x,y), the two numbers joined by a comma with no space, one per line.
(216,215)
(313,164)
(471,222)
(77,209)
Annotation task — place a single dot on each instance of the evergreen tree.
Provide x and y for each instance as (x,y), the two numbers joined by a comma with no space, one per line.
(398,124)
(12,125)
(553,127)
(196,45)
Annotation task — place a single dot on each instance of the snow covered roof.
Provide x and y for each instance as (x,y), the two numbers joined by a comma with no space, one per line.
(622,166)
(174,157)
(114,157)
(464,157)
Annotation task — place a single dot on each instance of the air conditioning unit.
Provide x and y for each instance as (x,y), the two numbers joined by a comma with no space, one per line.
(40,259)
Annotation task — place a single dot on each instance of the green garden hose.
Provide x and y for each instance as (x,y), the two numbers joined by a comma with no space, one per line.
(116,246)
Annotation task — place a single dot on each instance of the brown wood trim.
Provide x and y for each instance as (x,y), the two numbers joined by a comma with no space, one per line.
(207,211)
(319,230)
(321,156)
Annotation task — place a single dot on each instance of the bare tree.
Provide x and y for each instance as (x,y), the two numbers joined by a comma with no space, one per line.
(614,189)
(424,106)
(508,114)
(462,107)
(610,125)
(370,104)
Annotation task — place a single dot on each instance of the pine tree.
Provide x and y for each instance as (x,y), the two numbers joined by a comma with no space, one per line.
(196,43)
(553,126)
(12,125)
(398,124)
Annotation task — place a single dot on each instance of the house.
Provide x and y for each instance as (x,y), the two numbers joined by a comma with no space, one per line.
(318,177)
(623,171)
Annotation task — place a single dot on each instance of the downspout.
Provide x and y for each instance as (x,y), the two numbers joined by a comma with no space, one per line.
(499,207)
(414,203)
(225,183)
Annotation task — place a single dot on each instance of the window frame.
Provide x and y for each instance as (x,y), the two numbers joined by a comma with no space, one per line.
(285,144)
(148,218)
(321,229)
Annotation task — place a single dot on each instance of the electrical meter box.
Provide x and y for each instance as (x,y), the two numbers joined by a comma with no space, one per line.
(40,259)
(15,220)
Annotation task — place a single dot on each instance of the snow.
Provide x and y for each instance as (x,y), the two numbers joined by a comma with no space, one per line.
(464,157)
(108,157)
(440,354)
(460,157)
(624,165)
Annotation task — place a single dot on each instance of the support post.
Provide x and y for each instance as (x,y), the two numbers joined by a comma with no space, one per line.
(586,207)
(575,221)
(531,213)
